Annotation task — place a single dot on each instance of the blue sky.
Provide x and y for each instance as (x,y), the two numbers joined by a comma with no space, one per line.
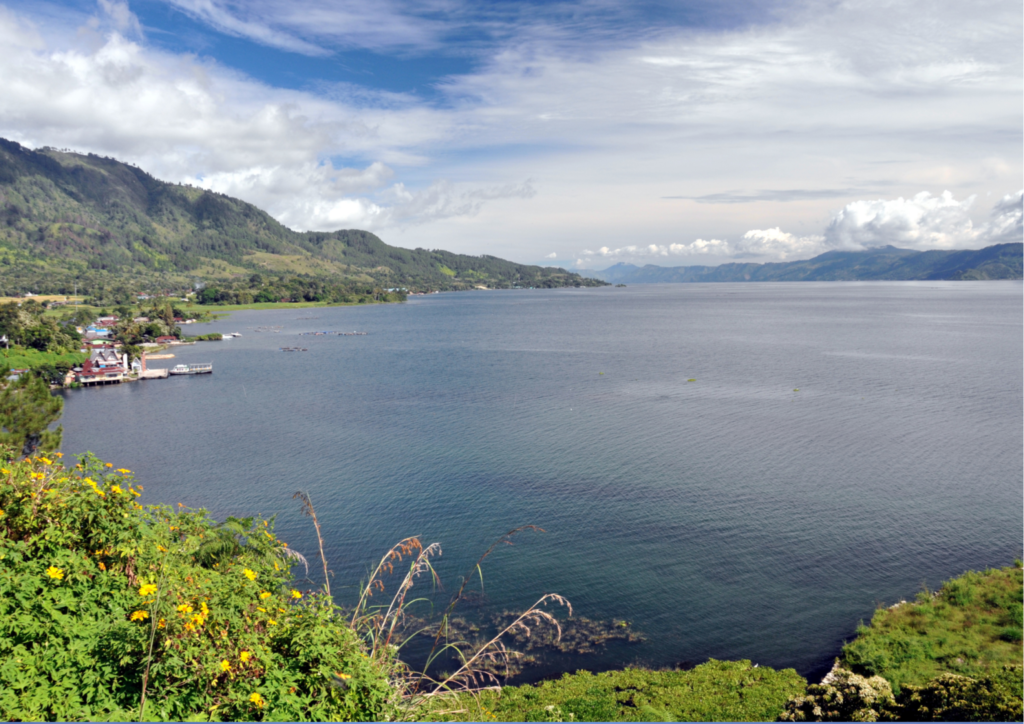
(579,133)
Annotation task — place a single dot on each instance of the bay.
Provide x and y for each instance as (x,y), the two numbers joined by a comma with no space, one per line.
(740,470)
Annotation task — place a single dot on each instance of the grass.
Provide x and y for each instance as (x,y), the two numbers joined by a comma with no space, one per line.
(218,310)
(714,691)
(20,358)
(971,627)
(42,298)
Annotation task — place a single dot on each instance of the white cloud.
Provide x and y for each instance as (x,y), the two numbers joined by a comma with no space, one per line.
(1007,224)
(921,222)
(552,255)
(190,120)
(789,120)
(121,17)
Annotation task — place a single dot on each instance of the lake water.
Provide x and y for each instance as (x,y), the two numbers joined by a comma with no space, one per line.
(741,470)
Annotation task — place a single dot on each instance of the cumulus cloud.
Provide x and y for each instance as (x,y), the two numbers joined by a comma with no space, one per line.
(190,120)
(921,222)
(766,243)
(784,121)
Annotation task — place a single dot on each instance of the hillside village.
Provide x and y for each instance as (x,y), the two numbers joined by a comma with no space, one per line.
(71,346)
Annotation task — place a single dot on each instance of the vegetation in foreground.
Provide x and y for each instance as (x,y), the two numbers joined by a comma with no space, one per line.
(971,627)
(714,691)
(114,610)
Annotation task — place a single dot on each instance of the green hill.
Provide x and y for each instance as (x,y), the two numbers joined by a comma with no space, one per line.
(887,263)
(68,218)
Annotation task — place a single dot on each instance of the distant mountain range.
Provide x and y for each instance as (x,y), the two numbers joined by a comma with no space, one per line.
(1001,261)
(71,219)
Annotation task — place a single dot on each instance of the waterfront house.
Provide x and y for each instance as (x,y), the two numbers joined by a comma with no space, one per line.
(103,366)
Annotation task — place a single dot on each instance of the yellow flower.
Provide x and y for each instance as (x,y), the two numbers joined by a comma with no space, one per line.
(109,465)
(185,608)
(54,572)
(272,622)
(161,624)
(134,492)
(5,471)
(225,666)
(123,471)
(116,489)
(58,455)
(256,699)
(102,566)
(46,461)
(251,575)
(260,608)
(265,594)
(342,676)
(296,594)
(206,611)
(245,656)
(147,589)
(140,616)
(36,476)
(161,548)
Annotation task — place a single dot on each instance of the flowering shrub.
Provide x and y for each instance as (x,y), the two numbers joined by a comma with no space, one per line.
(114,610)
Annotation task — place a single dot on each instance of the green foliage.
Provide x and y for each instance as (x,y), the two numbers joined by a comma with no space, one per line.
(105,603)
(68,218)
(966,628)
(846,696)
(21,358)
(950,697)
(714,691)
(27,408)
(842,696)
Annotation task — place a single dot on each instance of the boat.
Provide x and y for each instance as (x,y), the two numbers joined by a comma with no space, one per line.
(202,368)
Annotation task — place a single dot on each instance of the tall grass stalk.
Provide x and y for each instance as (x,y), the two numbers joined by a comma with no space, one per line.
(378,624)
(308,509)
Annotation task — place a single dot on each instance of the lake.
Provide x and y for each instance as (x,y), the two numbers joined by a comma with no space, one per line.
(739,470)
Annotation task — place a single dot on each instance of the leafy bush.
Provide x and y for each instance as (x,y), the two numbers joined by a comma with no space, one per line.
(846,696)
(842,696)
(106,604)
(950,697)
(970,627)
(714,691)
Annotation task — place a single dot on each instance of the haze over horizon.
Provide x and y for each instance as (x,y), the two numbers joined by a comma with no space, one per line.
(579,133)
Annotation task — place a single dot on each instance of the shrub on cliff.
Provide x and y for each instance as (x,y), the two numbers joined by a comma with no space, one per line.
(714,691)
(846,696)
(113,610)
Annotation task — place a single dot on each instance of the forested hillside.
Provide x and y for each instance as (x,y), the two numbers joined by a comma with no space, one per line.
(68,218)
(1001,261)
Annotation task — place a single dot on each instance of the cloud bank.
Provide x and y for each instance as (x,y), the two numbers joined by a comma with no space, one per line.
(921,222)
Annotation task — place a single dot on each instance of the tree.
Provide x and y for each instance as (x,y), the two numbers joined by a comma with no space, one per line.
(26,411)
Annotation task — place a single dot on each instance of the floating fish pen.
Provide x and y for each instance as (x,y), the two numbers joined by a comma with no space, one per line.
(294,349)
(329,333)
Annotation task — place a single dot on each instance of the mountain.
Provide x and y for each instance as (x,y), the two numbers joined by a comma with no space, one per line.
(68,218)
(1001,261)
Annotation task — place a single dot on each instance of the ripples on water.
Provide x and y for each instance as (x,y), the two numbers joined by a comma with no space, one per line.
(728,517)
